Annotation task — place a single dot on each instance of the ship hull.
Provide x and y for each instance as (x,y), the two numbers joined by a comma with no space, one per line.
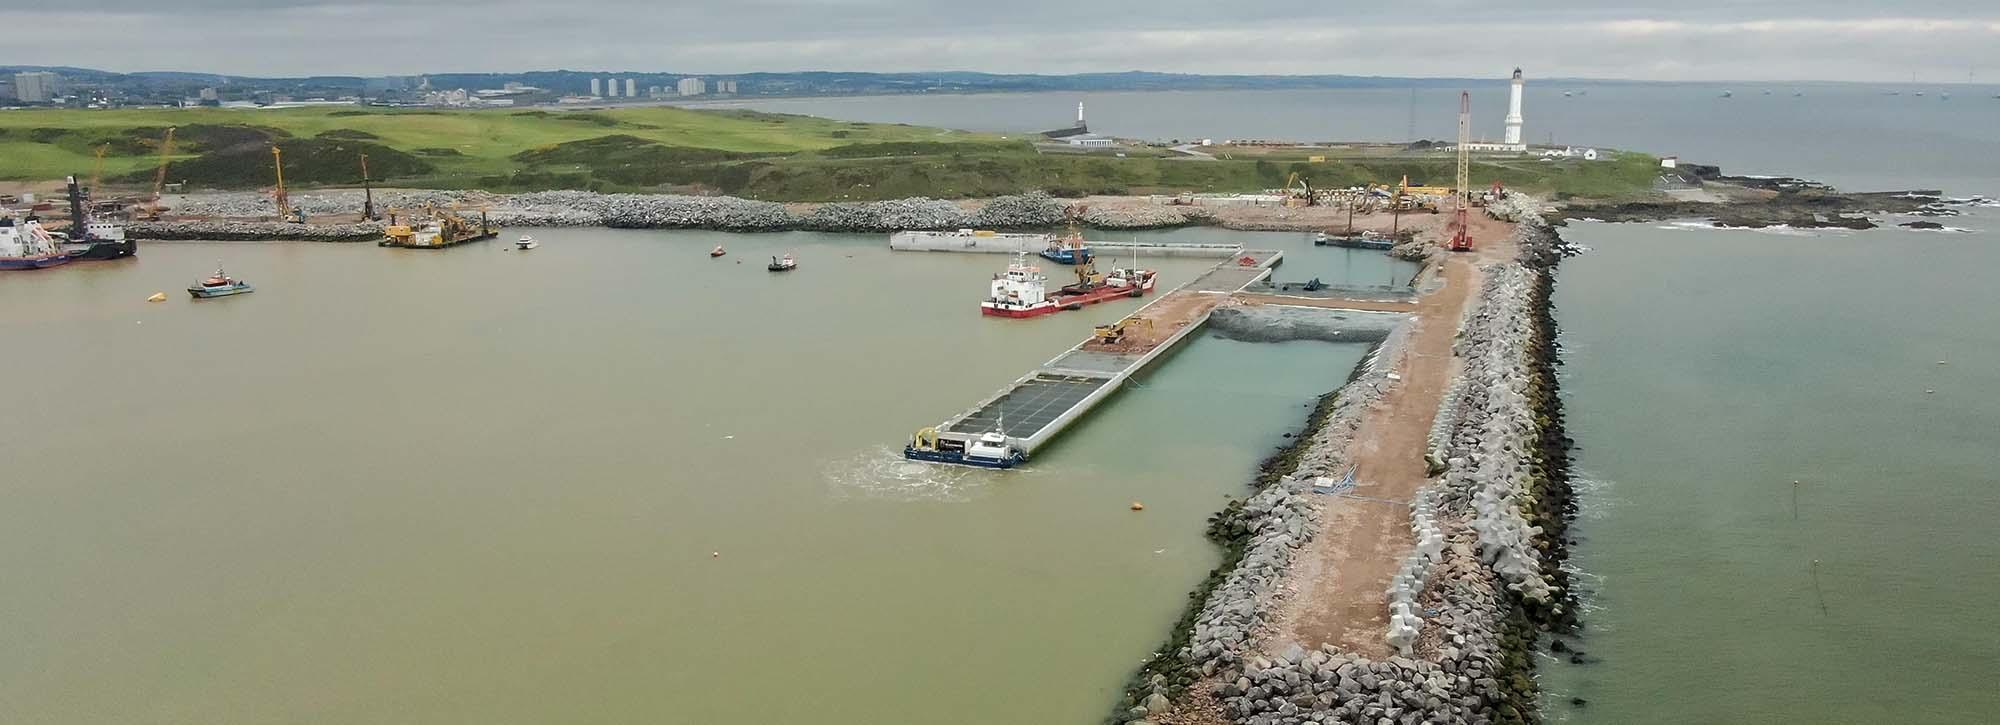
(991,310)
(203,293)
(960,459)
(26,263)
(100,251)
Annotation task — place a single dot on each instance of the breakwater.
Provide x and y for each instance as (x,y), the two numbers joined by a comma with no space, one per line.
(234,231)
(657,211)
(1482,579)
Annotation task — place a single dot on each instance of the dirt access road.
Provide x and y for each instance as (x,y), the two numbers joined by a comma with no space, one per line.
(1338,586)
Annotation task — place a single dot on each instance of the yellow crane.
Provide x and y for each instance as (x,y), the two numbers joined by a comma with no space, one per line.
(97,167)
(152,209)
(284,201)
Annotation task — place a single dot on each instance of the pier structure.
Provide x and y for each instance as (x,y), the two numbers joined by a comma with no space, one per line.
(1038,406)
(968,240)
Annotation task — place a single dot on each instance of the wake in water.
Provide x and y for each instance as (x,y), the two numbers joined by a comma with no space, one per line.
(882,473)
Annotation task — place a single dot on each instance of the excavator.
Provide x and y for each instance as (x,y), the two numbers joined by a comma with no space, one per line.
(1114,333)
(445,229)
(1299,191)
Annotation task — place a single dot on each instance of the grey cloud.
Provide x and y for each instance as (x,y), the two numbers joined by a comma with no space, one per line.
(1694,39)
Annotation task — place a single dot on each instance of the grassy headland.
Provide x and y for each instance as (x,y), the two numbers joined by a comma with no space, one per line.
(741,153)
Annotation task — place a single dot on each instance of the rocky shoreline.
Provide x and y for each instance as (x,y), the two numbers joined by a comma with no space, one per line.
(1808,208)
(1484,579)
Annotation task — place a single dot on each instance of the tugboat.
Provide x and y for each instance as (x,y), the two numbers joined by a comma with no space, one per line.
(991,449)
(1021,291)
(783,264)
(526,243)
(716,252)
(219,285)
(24,244)
(1067,250)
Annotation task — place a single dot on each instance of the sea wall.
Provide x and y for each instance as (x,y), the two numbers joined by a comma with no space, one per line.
(1283,323)
(1485,574)
(224,231)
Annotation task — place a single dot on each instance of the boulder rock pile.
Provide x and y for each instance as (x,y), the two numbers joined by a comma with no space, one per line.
(644,211)
(254,231)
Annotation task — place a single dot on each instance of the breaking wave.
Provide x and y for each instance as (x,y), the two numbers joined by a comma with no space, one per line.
(881,473)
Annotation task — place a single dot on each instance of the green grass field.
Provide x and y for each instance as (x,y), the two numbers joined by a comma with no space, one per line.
(744,153)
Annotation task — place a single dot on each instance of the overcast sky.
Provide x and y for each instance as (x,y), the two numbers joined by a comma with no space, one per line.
(1930,40)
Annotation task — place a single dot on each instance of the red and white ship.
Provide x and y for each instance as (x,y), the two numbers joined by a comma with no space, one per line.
(1022,291)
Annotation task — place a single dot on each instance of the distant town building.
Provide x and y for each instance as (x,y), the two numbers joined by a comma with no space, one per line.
(693,86)
(652,91)
(631,88)
(1091,140)
(725,86)
(36,87)
(209,95)
(597,86)
(515,86)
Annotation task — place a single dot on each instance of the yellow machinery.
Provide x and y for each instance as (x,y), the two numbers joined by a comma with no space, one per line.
(445,229)
(283,200)
(1298,191)
(926,439)
(150,211)
(1113,333)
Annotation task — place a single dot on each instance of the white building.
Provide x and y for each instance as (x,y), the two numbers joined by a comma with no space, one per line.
(210,94)
(35,87)
(596,86)
(725,87)
(631,88)
(693,86)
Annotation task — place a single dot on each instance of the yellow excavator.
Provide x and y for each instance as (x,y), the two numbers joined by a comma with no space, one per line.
(445,229)
(1114,333)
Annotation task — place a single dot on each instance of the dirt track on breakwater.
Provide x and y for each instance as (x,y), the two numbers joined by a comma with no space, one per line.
(1338,584)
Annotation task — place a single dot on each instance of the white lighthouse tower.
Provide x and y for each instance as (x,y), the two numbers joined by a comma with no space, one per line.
(1514,112)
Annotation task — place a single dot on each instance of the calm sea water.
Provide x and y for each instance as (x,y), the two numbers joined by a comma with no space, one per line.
(606,481)
(1707,370)
(1853,136)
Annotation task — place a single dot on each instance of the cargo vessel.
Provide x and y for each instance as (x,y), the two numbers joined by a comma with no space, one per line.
(1022,290)
(24,244)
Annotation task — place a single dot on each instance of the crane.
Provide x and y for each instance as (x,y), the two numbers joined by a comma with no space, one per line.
(97,168)
(152,209)
(284,202)
(1461,237)
(367,191)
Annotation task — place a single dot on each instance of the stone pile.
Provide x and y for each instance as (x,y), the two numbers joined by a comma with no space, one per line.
(1280,323)
(1033,210)
(887,216)
(1150,216)
(254,231)
(650,211)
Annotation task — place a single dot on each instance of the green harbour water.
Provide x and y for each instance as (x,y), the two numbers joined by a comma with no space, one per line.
(605,481)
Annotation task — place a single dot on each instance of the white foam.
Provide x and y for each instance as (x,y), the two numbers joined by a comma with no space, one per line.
(882,473)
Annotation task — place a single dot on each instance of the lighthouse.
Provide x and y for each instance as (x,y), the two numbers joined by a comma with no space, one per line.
(1514,111)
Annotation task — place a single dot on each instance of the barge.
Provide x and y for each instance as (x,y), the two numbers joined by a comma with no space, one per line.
(1022,290)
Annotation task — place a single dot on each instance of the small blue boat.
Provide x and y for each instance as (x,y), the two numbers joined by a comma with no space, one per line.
(1068,250)
(220,285)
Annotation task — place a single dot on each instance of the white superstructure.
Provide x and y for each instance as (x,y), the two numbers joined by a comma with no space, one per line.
(1514,111)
